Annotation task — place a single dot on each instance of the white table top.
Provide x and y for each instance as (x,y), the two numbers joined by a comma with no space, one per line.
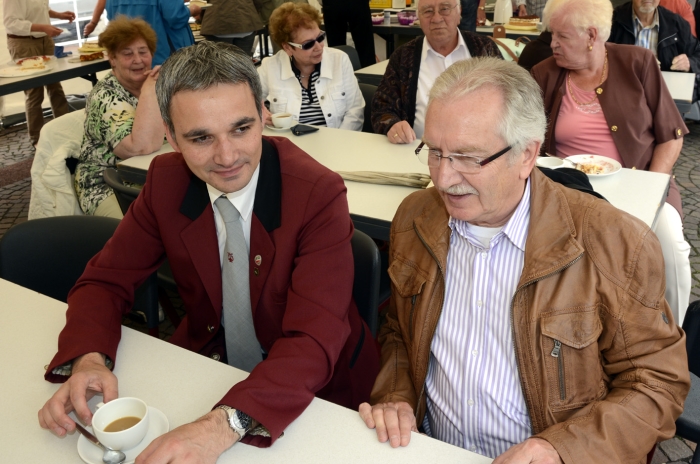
(376,69)
(182,384)
(640,193)
(680,84)
(61,70)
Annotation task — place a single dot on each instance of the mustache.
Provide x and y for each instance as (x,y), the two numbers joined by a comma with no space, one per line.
(459,189)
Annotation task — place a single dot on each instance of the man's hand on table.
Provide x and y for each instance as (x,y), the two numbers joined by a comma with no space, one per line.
(201,441)
(393,421)
(401,132)
(680,63)
(89,377)
(532,450)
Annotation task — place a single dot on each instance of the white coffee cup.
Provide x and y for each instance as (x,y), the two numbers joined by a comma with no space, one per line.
(550,162)
(116,409)
(282,120)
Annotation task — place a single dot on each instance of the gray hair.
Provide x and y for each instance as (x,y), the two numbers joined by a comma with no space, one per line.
(459,5)
(581,14)
(202,66)
(523,120)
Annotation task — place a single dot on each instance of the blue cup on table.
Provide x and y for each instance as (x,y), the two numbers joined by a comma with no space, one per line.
(58,51)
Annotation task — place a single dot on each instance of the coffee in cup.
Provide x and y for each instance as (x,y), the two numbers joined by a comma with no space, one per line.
(122,423)
(282,120)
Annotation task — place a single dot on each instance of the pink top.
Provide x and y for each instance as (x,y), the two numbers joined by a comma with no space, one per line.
(583,129)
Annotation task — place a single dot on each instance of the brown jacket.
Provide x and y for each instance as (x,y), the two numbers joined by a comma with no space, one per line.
(635,101)
(593,279)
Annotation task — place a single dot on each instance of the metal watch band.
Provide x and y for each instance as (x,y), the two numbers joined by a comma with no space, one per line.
(239,421)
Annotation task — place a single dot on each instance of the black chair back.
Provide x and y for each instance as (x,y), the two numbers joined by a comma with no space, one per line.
(49,255)
(352,54)
(125,195)
(365,289)
(691,326)
(368,94)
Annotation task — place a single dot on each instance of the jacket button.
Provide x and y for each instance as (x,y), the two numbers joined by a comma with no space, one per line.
(256,271)
(322,97)
(329,115)
(216,356)
(598,90)
(613,128)
(678,132)
(210,328)
(343,93)
(274,99)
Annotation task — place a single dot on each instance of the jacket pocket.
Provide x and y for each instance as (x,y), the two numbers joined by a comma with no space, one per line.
(278,103)
(408,283)
(574,374)
(340,102)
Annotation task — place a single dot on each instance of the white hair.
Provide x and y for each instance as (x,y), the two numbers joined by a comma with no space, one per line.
(581,14)
(459,4)
(523,120)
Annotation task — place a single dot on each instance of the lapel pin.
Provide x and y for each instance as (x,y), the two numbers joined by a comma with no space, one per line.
(258,260)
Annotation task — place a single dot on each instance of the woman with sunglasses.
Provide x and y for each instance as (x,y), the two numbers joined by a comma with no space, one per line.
(313,83)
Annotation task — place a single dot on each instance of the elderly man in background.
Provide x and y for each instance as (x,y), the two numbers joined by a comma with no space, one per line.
(646,24)
(399,104)
(527,320)
(29,33)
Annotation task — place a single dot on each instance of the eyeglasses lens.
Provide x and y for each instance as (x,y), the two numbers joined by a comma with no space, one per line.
(309,44)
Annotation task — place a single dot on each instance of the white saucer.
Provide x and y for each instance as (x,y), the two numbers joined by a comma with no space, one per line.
(157,426)
(276,129)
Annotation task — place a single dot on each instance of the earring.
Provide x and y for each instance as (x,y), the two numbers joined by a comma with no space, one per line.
(590,48)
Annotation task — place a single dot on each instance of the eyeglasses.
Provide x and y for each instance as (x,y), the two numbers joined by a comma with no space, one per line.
(461,163)
(444,10)
(309,44)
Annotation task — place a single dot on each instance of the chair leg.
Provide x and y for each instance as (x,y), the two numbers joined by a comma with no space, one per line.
(168,307)
(696,457)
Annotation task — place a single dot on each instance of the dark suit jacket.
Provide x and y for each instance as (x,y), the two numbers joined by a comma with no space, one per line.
(395,98)
(301,290)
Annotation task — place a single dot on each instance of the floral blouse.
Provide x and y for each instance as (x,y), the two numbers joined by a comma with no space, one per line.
(109,117)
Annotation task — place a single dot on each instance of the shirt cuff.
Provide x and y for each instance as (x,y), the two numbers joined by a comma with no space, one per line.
(67,368)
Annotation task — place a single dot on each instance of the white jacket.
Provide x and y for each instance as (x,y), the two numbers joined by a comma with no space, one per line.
(337,89)
(52,192)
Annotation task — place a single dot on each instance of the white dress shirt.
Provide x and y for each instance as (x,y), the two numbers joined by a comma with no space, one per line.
(474,396)
(19,15)
(432,64)
(243,201)
(337,89)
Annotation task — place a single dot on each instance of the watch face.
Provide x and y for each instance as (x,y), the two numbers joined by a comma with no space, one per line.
(243,420)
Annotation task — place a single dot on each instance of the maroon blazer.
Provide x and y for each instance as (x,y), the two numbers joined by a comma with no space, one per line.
(301,290)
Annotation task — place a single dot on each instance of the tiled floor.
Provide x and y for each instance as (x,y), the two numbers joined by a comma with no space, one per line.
(14,204)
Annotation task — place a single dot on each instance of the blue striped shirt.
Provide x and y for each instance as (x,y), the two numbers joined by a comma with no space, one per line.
(474,395)
(647,37)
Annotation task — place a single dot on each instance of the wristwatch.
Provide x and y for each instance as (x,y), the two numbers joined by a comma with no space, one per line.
(240,422)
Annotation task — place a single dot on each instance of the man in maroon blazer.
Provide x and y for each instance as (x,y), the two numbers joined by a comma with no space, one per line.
(301,267)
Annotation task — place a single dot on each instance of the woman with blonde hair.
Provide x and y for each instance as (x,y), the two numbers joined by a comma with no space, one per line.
(315,84)
(609,99)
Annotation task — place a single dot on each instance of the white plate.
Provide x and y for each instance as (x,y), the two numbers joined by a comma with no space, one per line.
(609,165)
(276,129)
(157,426)
(51,61)
(16,71)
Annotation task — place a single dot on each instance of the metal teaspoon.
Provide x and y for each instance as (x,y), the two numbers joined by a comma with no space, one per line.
(111,456)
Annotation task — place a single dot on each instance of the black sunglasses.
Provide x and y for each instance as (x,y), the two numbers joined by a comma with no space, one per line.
(309,44)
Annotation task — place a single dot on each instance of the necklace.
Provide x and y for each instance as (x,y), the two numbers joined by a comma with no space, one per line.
(602,76)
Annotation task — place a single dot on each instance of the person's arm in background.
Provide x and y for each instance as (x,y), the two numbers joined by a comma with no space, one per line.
(147,133)
(16,24)
(96,15)
(522,9)
(481,13)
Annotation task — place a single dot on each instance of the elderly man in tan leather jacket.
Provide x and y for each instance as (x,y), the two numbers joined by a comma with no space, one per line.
(527,320)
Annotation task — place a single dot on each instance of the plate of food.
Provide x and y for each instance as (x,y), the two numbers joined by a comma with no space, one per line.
(595,165)
(28,66)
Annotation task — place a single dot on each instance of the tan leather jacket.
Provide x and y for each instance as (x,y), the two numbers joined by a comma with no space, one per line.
(593,285)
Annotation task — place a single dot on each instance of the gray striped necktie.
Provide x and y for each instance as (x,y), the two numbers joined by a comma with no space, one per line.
(242,346)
